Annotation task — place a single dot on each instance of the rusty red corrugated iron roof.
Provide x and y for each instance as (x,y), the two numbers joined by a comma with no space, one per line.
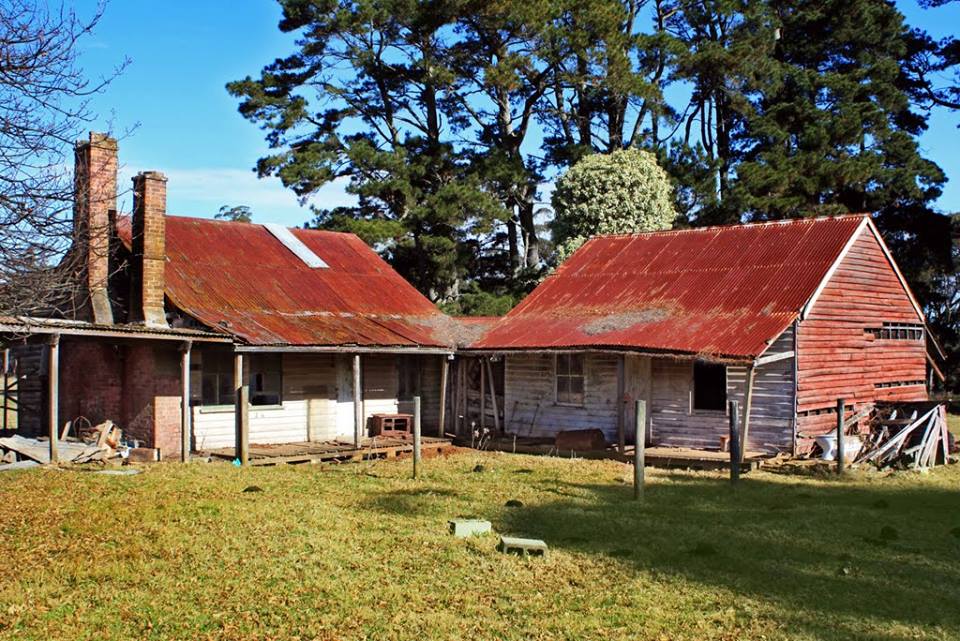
(724,292)
(238,278)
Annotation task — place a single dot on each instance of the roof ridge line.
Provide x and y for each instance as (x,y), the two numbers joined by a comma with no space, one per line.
(761,223)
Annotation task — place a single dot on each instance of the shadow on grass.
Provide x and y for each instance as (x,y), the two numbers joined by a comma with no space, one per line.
(417,501)
(825,554)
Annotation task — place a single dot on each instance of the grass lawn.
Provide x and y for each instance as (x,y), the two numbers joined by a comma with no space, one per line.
(361,551)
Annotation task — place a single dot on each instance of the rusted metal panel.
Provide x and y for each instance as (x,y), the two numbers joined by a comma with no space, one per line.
(239,278)
(725,292)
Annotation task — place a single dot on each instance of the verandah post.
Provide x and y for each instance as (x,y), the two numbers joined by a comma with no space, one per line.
(242,410)
(53,393)
(416,436)
(185,349)
(735,457)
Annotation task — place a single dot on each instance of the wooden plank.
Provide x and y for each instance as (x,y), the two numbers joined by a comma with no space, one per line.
(493,396)
(748,403)
(444,375)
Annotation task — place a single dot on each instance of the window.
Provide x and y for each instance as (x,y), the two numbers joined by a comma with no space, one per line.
(709,386)
(408,371)
(897,331)
(216,370)
(570,379)
(266,380)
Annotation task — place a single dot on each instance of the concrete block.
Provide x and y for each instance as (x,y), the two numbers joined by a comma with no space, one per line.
(462,528)
(516,545)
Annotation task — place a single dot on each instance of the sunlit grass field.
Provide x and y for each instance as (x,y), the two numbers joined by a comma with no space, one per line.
(361,551)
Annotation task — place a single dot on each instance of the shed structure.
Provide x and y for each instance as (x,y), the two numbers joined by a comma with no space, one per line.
(785,317)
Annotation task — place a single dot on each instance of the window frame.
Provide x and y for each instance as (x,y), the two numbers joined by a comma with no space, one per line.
(582,376)
(255,368)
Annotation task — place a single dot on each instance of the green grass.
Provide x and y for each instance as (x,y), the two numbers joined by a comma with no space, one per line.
(362,552)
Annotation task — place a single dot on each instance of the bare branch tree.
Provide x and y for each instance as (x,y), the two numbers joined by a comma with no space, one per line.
(44,106)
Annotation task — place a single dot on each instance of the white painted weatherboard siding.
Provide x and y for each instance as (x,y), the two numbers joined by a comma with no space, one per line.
(530,406)
(287,424)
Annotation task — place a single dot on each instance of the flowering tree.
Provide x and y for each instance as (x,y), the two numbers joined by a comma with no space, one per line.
(623,192)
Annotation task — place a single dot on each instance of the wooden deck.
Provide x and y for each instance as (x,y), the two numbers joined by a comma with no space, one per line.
(690,459)
(663,457)
(333,451)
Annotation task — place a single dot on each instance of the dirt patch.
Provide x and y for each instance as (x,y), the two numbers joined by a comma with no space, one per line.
(624,320)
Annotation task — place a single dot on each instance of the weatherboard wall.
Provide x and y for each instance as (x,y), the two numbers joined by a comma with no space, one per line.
(311,398)
(667,386)
(839,358)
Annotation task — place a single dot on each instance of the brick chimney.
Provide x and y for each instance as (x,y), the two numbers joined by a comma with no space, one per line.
(95,205)
(149,248)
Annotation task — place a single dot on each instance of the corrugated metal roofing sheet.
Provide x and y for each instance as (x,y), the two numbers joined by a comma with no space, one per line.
(239,278)
(724,292)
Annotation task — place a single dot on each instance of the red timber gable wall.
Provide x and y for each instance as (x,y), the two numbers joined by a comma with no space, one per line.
(841,350)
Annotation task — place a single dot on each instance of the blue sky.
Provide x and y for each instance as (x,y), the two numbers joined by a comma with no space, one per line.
(186,125)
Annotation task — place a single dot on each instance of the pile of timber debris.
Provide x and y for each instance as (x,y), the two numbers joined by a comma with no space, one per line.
(909,436)
(95,445)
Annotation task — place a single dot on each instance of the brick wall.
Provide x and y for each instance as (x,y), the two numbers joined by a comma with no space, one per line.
(90,381)
(151,411)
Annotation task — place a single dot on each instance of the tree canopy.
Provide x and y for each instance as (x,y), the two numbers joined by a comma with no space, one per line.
(623,192)
(448,118)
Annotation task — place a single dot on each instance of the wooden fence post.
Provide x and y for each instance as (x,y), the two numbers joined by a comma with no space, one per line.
(416,436)
(735,457)
(639,453)
(840,406)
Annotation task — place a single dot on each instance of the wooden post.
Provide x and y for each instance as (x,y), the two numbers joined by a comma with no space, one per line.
(748,403)
(357,403)
(185,401)
(6,386)
(483,394)
(53,393)
(444,376)
(735,456)
(493,397)
(840,406)
(416,436)
(242,410)
(621,419)
(639,453)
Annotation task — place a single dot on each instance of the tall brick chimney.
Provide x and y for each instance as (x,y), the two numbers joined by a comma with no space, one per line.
(94,207)
(149,248)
